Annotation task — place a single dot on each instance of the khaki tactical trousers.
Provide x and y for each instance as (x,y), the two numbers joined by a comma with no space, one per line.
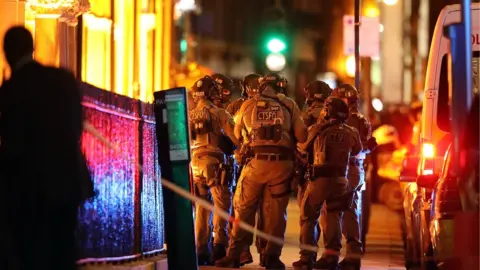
(322,189)
(352,216)
(263,184)
(205,170)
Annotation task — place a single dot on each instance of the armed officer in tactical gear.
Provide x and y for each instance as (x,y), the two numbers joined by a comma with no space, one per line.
(352,228)
(272,126)
(250,89)
(331,144)
(316,92)
(209,126)
(226,86)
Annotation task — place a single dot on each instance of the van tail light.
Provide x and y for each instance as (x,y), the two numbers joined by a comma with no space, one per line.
(428,153)
(428,150)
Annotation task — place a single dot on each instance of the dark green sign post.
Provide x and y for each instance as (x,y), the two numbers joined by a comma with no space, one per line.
(174,158)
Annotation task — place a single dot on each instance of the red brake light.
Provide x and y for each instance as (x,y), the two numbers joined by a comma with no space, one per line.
(428,150)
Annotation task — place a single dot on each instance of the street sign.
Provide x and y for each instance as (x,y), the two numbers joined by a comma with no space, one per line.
(369,36)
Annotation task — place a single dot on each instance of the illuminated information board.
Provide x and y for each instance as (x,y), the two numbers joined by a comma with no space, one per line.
(177,125)
(174,159)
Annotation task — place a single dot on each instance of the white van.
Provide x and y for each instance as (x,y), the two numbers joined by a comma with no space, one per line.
(435,126)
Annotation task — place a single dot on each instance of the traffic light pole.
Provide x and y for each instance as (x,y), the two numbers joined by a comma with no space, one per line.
(357,43)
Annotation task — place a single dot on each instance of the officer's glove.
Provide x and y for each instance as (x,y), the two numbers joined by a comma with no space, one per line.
(301,158)
(372,144)
(238,156)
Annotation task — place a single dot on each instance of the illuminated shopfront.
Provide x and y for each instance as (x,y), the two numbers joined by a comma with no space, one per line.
(119,45)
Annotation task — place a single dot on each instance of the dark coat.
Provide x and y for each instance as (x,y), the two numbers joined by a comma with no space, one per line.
(41,123)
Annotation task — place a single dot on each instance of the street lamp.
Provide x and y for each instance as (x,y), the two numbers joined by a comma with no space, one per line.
(390,2)
(275,62)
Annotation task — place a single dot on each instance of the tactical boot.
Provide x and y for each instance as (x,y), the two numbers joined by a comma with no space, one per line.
(303,264)
(326,263)
(350,264)
(262,260)
(219,251)
(246,257)
(273,262)
(227,262)
(203,259)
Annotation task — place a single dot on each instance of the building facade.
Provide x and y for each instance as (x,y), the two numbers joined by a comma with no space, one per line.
(119,45)
(226,37)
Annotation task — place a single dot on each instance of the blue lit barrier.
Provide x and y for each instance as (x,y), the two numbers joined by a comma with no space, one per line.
(125,220)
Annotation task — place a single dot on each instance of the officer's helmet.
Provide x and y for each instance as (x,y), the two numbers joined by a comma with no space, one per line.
(347,92)
(274,80)
(206,88)
(251,83)
(226,86)
(335,108)
(238,87)
(317,90)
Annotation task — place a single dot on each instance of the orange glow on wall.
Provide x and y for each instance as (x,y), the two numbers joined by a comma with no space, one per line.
(96,51)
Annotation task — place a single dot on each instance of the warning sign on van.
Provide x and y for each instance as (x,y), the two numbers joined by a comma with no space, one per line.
(476,41)
(369,36)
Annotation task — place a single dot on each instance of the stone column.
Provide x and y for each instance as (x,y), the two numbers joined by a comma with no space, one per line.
(12,12)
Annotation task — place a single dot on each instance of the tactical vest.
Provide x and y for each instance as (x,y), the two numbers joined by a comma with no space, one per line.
(332,146)
(267,121)
(358,121)
(201,127)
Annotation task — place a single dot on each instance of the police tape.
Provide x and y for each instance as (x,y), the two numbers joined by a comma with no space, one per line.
(207,205)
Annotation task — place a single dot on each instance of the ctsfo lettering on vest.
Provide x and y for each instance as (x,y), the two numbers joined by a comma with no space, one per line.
(197,115)
(269,114)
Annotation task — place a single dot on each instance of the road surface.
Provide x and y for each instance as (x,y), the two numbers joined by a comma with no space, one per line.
(384,241)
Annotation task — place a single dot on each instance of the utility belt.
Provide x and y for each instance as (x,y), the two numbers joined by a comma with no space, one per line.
(273,153)
(219,156)
(223,170)
(327,171)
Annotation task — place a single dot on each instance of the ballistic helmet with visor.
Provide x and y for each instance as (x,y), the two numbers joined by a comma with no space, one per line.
(317,90)
(274,80)
(206,87)
(225,83)
(348,93)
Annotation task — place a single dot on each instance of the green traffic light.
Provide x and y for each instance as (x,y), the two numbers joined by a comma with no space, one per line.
(276,45)
(183,45)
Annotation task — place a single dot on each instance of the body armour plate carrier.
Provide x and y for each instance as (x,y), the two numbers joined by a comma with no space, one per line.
(331,147)
(201,127)
(267,121)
